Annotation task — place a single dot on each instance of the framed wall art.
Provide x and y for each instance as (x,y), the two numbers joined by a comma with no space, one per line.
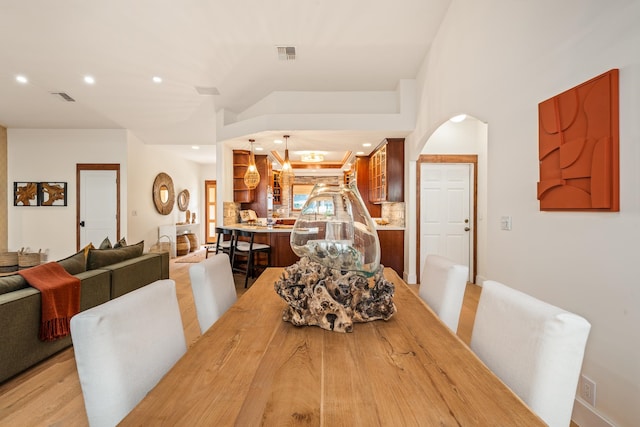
(53,194)
(25,194)
(578,147)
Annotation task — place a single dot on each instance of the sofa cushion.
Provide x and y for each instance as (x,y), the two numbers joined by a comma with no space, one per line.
(74,264)
(102,257)
(12,283)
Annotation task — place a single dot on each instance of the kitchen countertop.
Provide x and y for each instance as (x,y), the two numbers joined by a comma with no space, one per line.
(288,228)
(260,228)
(388,227)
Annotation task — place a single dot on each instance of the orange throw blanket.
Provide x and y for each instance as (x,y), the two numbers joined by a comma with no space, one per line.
(60,298)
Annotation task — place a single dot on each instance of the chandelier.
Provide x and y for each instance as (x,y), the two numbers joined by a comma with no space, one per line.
(286,174)
(312,157)
(251,176)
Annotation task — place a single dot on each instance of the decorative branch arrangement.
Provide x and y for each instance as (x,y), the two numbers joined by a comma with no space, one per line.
(39,194)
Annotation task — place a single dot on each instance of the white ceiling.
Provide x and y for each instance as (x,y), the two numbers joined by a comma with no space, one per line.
(230,45)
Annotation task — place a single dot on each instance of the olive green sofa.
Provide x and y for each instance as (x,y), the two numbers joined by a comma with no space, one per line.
(20,308)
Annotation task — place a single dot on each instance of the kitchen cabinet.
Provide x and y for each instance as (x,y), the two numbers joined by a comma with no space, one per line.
(275,187)
(281,253)
(392,249)
(259,201)
(386,172)
(241,194)
(362,182)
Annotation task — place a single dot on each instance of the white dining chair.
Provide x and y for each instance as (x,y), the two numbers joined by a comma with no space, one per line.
(442,287)
(124,347)
(534,347)
(213,288)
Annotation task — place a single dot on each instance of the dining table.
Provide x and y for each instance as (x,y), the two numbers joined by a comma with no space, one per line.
(252,368)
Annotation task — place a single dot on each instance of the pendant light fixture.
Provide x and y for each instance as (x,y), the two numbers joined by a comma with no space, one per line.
(286,174)
(251,176)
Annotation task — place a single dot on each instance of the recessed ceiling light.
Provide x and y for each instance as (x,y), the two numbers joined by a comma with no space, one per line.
(458,118)
(195,147)
(277,141)
(366,144)
(22,79)
(359,153)
(157,79)
(89,80)
(258,148)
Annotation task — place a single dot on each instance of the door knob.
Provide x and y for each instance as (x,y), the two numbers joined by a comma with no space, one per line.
(81,223)
(467,229)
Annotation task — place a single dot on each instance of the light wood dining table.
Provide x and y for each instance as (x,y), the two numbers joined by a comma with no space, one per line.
(252,368)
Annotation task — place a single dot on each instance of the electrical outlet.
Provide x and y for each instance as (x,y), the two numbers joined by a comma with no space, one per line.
(588,390)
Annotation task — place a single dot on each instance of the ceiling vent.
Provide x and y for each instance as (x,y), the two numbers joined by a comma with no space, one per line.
(204,90)
(65,97)
(286,53)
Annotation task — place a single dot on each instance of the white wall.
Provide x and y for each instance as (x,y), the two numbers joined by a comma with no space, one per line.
(40,155)
(52,155)
(145,163)
(496,60)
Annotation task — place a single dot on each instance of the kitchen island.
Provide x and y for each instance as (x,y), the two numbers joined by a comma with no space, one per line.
(277,237)
(391,244)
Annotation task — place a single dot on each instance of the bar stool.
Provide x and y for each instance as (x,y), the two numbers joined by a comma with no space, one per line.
(223,244)
(246,250)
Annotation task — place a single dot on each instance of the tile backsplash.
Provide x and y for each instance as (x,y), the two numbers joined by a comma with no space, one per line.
(230,213)
(394,213)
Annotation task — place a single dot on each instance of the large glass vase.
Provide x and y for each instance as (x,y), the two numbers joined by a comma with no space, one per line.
(335,229)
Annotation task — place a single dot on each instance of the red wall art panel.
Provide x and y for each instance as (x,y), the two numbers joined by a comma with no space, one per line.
(578,147)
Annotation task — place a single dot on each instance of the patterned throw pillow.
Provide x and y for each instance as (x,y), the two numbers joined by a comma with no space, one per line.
(120,243)
(102,257)
(106,244)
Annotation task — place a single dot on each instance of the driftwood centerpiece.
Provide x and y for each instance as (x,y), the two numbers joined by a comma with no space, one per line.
(338,280)
(333,299)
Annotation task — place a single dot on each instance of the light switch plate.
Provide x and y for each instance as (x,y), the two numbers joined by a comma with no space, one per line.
(505,223)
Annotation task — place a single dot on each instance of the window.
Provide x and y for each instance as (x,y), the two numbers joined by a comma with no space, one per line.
(300,194)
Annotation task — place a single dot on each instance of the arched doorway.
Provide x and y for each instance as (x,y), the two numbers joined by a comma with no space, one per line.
(451,194)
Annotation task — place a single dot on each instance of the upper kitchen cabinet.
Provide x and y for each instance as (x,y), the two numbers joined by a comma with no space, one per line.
(386,172)
(259,201)
(241,194)
(275,187)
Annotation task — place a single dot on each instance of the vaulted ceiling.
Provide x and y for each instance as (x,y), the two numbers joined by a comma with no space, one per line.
(210,55)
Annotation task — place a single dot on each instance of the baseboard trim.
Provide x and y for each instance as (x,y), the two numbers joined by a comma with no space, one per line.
(585,415)
(409,278)
(480,280)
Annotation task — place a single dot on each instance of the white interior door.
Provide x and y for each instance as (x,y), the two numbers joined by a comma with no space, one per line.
(98,206)
(445,212)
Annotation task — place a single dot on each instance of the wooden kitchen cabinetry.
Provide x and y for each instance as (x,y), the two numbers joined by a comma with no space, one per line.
(259,202)
(241,194)
(281,253)
(392,249)
(386,172)
(275,187)
(363,182)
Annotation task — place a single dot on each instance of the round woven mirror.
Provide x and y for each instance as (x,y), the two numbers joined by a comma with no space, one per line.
(183,200)
(163,193)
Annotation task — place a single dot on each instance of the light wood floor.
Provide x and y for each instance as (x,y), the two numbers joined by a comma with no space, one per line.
(49,394)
